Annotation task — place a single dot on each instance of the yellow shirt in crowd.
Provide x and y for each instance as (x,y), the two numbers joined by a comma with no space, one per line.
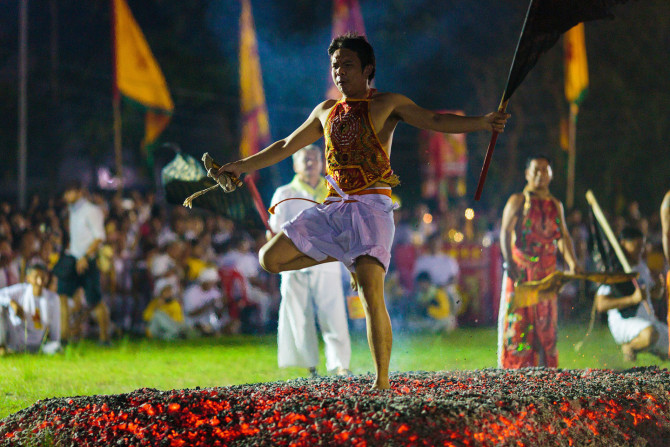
(171,308)
(440,307)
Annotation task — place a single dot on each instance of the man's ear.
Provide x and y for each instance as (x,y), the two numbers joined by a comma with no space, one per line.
(367,70)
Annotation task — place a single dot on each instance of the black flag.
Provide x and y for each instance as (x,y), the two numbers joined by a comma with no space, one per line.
(545,21)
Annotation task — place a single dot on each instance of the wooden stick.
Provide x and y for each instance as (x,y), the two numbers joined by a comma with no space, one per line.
(602,220)
(489,155)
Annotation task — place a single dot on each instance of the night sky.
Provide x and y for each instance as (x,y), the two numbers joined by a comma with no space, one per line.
(444,55)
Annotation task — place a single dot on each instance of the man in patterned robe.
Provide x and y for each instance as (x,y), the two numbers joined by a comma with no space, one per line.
(533,231)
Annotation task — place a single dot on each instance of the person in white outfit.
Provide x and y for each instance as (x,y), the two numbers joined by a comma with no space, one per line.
(311,290)
(30,314)
(630,317)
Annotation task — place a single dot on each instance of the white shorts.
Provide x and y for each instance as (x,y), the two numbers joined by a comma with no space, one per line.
(624,330)
(345,230)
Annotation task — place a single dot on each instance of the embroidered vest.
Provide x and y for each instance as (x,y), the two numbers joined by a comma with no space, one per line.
(355,158)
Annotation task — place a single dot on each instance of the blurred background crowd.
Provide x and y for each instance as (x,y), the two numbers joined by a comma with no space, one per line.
(201,270)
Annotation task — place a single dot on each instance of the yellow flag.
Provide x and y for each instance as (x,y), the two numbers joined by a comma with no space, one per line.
(138,76)
(576,68)
(255,122)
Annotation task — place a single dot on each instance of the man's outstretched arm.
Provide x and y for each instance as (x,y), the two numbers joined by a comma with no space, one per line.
(406,110)
(310,131)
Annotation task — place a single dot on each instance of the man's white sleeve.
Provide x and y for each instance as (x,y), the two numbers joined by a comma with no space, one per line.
(11,293)
(53,306)
(278,218)
(97,223)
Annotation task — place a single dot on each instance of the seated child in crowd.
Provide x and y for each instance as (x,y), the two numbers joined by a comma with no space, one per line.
(30,314)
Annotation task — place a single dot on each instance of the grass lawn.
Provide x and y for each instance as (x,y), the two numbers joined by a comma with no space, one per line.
(86,369)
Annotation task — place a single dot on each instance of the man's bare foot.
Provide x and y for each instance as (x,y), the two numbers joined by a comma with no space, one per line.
(343,372)
(629,354)
(353,282)
(379,385)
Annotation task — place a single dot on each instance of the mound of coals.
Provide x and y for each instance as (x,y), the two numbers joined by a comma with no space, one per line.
(528,407)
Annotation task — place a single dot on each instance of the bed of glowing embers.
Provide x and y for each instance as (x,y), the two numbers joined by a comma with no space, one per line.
(456,408)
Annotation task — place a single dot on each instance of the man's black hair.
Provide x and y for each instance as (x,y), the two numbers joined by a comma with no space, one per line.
(423,277)
(537,157)
(359,45)
(630,233)
(73,184)
(37,266)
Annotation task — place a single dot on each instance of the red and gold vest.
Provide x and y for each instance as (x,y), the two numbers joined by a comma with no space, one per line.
(355,158)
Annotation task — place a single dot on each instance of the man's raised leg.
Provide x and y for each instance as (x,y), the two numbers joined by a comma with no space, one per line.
(370,274)
(281,255)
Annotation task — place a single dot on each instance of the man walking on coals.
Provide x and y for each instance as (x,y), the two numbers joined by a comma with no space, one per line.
(355,223)
(533,230)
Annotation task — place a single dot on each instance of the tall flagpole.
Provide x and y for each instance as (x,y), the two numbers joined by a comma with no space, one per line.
(23,103)
(116,104)
(572,153)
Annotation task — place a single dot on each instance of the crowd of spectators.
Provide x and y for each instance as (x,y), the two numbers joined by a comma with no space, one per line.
(168,272)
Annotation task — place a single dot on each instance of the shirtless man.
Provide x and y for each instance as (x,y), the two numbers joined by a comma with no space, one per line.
(355,224)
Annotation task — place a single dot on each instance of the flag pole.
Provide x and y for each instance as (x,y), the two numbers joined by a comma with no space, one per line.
(489,153)
(501,108)
(116,106)
(23,101)
(572,152)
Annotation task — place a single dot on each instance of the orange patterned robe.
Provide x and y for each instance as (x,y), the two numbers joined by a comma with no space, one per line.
(529,333)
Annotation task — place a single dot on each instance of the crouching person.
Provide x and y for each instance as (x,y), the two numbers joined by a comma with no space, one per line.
(164,315)
(630,317)
(30,315)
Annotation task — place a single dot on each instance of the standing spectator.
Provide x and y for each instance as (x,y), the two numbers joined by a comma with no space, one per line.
(533,231)
(78,267)
(311,290)
(30,314)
